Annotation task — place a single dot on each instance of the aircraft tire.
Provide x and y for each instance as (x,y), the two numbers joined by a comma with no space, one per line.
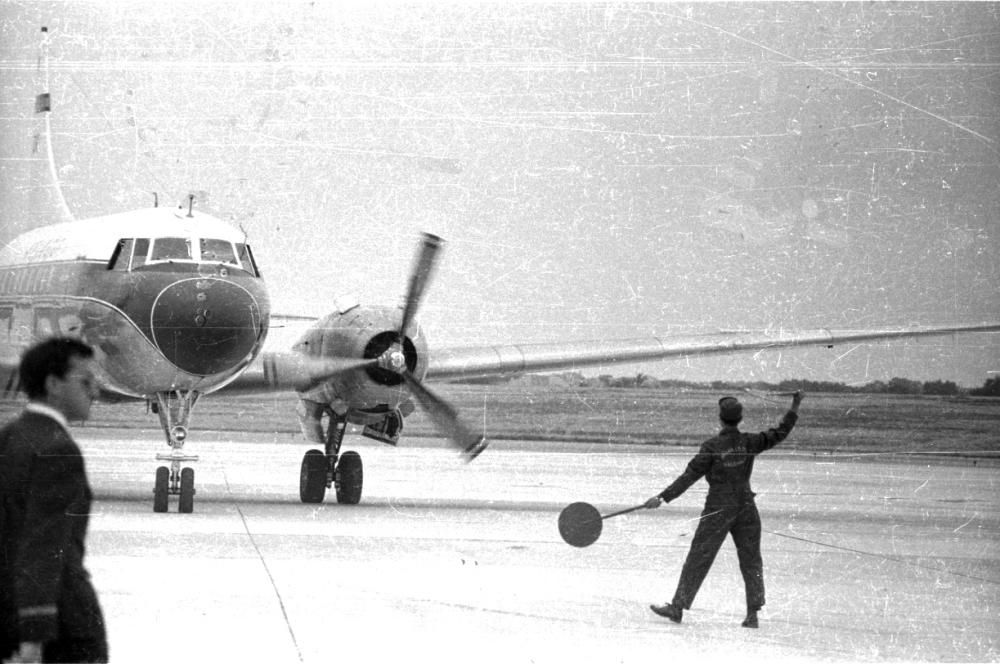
(350,478)
(161,490)
(312,478)
(186,503)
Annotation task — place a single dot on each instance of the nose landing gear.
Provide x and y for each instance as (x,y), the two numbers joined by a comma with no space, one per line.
(174,410)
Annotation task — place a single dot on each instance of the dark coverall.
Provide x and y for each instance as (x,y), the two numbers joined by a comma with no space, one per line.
(45,591)
(726,462)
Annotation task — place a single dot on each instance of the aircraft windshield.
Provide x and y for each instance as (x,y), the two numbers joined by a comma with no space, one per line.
(145,251)
(141,250)
(246,257)
(217,250)
(171,248)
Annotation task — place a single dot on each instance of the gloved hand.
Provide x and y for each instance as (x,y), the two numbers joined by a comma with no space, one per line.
(653,503)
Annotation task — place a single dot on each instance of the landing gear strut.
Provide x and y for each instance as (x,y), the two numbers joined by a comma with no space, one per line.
(323,469)
(174,409)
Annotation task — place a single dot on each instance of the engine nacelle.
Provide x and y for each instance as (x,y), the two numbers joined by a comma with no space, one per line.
(365,396)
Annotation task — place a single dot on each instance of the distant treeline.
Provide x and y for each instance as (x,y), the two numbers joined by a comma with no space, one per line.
(991,388)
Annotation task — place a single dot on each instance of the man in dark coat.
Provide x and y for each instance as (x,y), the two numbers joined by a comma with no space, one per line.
(726,462)
(48,608)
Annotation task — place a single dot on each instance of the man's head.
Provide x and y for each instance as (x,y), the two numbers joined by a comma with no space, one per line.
(59,372)
(730,410)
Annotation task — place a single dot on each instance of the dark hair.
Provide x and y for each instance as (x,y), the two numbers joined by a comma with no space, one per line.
(730,410)
(49,358)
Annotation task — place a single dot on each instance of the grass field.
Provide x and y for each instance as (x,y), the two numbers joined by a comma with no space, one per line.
(842,423)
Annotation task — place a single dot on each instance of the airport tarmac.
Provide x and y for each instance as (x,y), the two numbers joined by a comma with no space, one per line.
(445,561)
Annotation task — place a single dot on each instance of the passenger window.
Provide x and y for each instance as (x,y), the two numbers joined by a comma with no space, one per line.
(171,248)
(6,324)
(140,252)
(220,251)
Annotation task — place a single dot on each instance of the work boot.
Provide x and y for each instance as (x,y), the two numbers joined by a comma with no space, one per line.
(751,619)
(668,610)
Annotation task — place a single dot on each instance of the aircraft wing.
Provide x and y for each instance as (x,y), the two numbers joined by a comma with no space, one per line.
(278,367)
(509,360)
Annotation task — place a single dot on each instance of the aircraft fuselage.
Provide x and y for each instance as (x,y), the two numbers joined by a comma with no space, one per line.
(170,302)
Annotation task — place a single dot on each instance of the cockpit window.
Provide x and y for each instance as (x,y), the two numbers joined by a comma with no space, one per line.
(140,251)
(143,251)
(122,253)
(246,257)
(171,248)
(217,251)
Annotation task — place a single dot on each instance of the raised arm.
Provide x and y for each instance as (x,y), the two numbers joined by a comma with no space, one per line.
(765,440)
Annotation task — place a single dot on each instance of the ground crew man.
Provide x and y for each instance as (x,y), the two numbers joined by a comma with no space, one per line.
(726,462)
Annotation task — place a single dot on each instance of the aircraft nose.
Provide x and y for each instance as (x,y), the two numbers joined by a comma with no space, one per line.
(205,326)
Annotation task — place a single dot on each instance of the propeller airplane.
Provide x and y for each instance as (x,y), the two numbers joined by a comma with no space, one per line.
(175,306)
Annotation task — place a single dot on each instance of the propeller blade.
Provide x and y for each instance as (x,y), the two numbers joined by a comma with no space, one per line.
(442,414)
(446,419)
(422,269)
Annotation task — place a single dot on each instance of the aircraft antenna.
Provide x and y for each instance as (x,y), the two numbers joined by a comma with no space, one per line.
(156,199)
(190,205)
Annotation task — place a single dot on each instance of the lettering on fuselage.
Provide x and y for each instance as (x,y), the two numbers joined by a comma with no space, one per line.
(38,301)
(30,279)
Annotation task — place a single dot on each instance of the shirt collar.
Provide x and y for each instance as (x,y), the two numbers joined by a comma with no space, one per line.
(47,410)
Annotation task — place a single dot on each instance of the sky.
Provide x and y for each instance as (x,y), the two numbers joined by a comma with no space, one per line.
(597,170)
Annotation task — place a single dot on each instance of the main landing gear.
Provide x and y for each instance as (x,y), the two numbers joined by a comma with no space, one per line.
(323,469)
(174,409)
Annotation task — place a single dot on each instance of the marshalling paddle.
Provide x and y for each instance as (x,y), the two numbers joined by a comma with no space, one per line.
(580,523)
